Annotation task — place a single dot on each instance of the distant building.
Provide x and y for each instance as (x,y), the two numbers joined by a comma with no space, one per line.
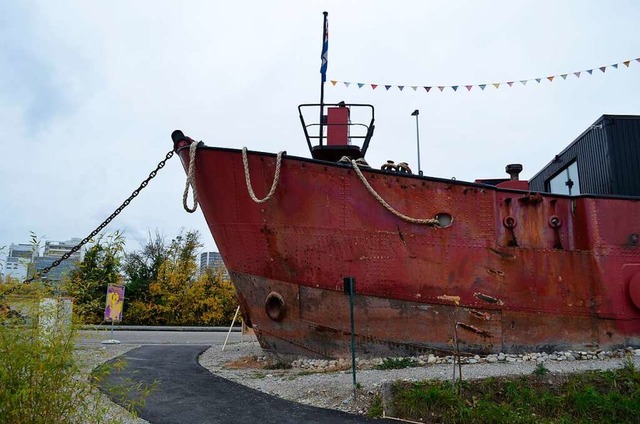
(56,249)
(212,260)
(22,250)
(55,274)
(20,255)
(24,260)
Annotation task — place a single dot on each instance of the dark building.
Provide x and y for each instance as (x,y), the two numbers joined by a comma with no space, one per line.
(603,160)
(55,274)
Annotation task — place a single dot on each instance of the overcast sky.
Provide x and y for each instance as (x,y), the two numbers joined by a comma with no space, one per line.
(91,91)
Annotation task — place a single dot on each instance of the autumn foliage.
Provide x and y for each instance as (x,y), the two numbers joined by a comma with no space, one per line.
(163,286)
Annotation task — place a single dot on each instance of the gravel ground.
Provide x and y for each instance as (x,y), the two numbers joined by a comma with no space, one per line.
(334,389)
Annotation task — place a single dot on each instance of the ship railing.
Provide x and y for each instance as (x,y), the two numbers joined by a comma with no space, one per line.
(317,131)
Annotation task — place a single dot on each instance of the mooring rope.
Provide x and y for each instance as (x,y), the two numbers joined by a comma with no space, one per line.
(247,177)
(191,180)
(426,221)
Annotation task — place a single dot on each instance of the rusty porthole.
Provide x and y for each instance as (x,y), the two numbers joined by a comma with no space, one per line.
(274,306)
(509,222)
(634,289)
(444,219)
(555,222)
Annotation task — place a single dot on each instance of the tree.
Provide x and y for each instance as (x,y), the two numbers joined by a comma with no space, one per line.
(177,295)
(141,269)
(87,284)
(213,298)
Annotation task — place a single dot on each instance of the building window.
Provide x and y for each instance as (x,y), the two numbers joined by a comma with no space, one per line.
(566,181)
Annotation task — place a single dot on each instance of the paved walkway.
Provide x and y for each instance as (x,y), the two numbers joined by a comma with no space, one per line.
(188,393)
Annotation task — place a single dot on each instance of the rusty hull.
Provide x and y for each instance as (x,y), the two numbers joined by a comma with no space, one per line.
(515,272)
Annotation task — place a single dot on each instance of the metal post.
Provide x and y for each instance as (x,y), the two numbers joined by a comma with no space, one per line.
(111,340)
(416,113)
(231,328)
(351,283)
(323,75)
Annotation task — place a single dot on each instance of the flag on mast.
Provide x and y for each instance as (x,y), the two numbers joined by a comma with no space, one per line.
(325,50)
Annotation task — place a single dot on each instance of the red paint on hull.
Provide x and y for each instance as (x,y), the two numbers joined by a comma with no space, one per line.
(531,271)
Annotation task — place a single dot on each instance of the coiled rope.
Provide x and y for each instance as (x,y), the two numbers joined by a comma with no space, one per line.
(247,177)
(426,221)
(191,180)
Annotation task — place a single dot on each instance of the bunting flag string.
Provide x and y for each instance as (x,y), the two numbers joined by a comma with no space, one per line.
(469,87)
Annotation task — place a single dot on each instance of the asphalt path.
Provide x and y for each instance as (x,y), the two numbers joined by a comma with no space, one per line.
(188,393)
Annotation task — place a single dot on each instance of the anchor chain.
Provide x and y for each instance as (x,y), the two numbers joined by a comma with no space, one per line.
(106,222)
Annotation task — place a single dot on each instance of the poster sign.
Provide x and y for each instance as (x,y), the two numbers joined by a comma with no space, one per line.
(115,302)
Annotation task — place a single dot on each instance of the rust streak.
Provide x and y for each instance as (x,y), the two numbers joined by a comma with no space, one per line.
(400,234)
(454,299)
(481,315)
(488,299)
(494,271)
(503,255)
(474,329)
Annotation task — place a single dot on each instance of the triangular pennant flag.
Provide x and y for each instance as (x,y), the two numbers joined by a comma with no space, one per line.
(590,71)
(496,85)
(346,84)
(455,87)
(603,68)
(538,80)
(401,87)
(626,63)
(524,82)
(360,85)
(441,87)
(510,83)
(577,74)
(482,86)
(387,87)
(564,76)
(469,87)
(427,88)
(373,86)
(334,82)
(415,87)
(551,78)
(615,65)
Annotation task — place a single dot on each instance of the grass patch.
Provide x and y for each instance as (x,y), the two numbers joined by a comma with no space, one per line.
(397,363)
(277,365)
(375,409)
(540,370)
(594,396)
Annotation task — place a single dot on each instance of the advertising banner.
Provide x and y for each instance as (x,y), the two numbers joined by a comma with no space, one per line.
(115,302)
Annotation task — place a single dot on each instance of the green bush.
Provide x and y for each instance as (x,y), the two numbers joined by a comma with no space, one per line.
(397,363)
(42,378)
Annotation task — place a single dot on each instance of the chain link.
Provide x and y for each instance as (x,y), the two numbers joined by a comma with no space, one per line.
(106,222)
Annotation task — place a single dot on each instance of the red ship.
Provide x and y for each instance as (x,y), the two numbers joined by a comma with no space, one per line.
(439,264)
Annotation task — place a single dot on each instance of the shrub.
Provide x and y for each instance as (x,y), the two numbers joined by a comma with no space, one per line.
(40,378)
(396,363)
